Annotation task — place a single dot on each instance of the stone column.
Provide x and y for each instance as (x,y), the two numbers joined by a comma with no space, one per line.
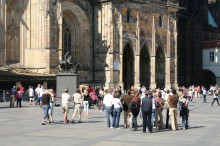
(153,57)
(120,50)
(168,74)
(137,56)
(137,71)
(167,71)
(175,59)
(109,31)
(60,25)
(153,72)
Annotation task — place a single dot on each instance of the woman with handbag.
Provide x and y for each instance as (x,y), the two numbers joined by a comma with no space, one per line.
(117,110)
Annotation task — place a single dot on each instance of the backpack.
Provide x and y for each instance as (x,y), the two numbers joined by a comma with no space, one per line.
(133,105)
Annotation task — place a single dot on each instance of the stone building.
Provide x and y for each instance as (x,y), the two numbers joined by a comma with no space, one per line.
(130,42)
(193,30)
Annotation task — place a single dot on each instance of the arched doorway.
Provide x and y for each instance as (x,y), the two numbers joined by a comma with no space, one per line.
(145,67)
(209,78)
(128,67)
(160,68)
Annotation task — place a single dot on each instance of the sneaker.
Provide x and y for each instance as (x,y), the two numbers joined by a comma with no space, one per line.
(111,127)
(118,128)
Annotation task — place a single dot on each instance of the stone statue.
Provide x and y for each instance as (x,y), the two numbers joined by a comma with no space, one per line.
(67,64)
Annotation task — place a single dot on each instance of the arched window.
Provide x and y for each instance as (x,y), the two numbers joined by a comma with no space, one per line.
(66,38)
(161,21)
(128,15)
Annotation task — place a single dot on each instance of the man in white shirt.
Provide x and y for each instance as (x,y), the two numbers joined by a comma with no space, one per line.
(65,105)
(31,94)
(78,102)
(108,98)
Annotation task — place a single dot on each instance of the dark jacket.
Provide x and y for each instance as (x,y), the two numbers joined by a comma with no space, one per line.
(146,104)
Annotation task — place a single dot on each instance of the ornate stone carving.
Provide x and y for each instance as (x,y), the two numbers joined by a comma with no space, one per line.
(129,37)
(12,29)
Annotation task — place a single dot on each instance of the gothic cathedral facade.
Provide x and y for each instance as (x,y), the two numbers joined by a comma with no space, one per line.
(130,42)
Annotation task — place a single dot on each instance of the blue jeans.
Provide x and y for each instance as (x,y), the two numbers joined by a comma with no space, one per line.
(46,109)
(185,121)
(108,112)
(86,105)
(153,117)
(116,117)
(134,122)
(204,98)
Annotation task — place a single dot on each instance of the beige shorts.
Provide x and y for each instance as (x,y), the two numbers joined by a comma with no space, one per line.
(77,109)
(65,108)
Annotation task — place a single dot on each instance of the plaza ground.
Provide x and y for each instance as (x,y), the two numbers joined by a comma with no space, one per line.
(22,127)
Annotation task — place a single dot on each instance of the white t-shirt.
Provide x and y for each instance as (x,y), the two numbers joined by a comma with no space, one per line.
(30,92)
(65,98)
(117,103)
(108,98)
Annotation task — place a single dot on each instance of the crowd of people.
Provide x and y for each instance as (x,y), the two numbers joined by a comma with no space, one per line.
(148,104)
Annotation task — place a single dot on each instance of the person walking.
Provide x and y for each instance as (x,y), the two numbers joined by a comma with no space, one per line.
(184,111)
(135,109)
(215,96)
(65,105)
(108,98)
(37,92)
(126,100)
(13,96)
(116,110)
(52,103)
(204,92)
(30,92)
(172,101)
(45,106)
(86,102)
(146,106)
(78,102)
(19,95)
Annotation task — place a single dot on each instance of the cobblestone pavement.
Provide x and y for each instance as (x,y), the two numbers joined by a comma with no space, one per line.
(22,127)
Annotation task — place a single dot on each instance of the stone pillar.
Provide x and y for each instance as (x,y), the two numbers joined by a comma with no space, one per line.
(137,72)
(110,36)
(175,59)
(153,57)
(167,71)
(121,72)
(137,57)
(153,74)
(121,51)
(168,74)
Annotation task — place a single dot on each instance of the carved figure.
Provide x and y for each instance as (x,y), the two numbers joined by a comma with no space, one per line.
(67,64)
